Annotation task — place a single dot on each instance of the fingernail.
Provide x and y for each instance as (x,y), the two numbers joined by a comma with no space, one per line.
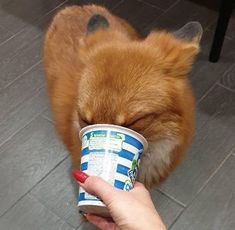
(82,213)
(80,176)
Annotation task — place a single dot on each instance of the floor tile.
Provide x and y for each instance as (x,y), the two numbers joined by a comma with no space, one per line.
(139,10)
(230,33)
(29,214)
(4,2)
(18,42)
(26,158)
(215,205)
(162,4)
(181,13)
(106,3)
(168,209)
(4,34)
(21,102)
(204,73)
(20,63)
(228,79)
(233,151)
(48,114)
(19,14)
(21,90)
(22,114)
(214,139)
(87,226)
(58,192)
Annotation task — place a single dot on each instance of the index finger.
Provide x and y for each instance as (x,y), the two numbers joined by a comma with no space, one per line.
(97,186)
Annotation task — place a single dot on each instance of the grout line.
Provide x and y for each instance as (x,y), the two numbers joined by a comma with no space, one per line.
(80,225)
(61,4)
(163,13)
(5,41)
(151,5)
(227,71)
(26,46)
(30,97)
(200,190)
(22,74)
(11,35)
(5,28)
(118,4)
(24,29)
(209,28)
(25,125)
(20,198)
(229,38)
(233,151)
(149,25)
(206,93)
(49,209)
(213,174)
(171,198)
(171,6)
(175,220)
(18,130)
(216,83)
(36,21)
(223,86)
(45,117)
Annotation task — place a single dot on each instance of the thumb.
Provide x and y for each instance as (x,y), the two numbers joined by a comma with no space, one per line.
(96,186)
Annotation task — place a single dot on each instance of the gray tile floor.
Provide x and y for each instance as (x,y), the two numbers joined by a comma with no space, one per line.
(36,190)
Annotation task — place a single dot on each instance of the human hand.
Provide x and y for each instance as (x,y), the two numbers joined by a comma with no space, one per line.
(132,210)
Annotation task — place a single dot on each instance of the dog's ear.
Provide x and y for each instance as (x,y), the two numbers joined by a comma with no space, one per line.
(190,32)
(188,36)
(96,22)
(177,49)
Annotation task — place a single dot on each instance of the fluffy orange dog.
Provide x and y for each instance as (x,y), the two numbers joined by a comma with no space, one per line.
(100,71)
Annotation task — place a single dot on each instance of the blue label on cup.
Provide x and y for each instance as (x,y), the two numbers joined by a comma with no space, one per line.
(112,155)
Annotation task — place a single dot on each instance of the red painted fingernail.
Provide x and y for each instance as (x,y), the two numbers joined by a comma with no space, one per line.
(80,176)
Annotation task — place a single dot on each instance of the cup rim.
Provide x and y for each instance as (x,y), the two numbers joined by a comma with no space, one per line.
(116,128)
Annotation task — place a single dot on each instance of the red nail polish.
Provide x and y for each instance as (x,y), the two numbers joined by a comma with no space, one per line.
(80,176)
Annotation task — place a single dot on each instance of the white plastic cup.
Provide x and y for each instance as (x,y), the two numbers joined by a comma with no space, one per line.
(113,153)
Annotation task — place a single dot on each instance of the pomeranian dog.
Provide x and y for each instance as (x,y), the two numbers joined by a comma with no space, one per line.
(99,70)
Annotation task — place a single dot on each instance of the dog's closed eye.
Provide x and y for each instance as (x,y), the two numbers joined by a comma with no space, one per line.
(84,122)
(139,119)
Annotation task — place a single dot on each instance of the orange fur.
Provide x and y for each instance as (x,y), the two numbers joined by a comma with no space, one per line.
(113,76)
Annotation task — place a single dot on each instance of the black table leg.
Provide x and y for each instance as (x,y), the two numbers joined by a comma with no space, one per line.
(225,12)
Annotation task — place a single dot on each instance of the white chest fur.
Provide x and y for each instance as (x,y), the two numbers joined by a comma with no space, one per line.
(156,161)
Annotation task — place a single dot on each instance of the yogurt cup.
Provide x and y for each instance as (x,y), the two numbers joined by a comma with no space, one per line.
(113,153)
